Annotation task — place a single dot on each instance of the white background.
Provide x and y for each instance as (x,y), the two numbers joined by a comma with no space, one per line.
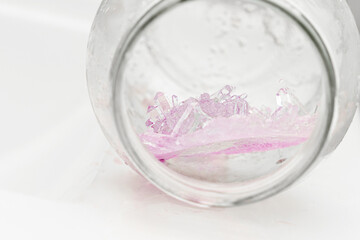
(60,180)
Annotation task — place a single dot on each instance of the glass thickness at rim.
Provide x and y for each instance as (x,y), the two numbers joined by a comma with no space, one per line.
(207,194)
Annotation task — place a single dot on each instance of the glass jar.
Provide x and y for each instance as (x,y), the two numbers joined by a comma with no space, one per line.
(223,102)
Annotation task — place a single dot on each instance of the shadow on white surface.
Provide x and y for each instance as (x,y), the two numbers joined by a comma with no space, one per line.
(310,210)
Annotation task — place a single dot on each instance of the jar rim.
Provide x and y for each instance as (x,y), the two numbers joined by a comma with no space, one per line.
(208,194)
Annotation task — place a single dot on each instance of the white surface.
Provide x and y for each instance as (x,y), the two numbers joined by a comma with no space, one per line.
(50,142)
(52,148)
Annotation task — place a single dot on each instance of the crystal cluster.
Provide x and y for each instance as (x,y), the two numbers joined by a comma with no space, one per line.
(192,114)
(224,123)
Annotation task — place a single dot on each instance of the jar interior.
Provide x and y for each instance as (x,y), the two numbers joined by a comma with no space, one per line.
(222,91)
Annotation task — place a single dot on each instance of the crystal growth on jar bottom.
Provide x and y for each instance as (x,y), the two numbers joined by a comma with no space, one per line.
(210,129)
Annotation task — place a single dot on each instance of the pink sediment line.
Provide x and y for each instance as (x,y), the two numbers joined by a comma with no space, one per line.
(232,135)
(243,146)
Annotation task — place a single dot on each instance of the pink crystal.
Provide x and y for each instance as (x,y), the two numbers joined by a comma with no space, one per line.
(149,123)
(223,123)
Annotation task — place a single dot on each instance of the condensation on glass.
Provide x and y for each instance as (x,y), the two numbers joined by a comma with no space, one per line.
(223,102)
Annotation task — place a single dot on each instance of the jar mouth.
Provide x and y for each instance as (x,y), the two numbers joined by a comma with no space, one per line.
(203,193)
